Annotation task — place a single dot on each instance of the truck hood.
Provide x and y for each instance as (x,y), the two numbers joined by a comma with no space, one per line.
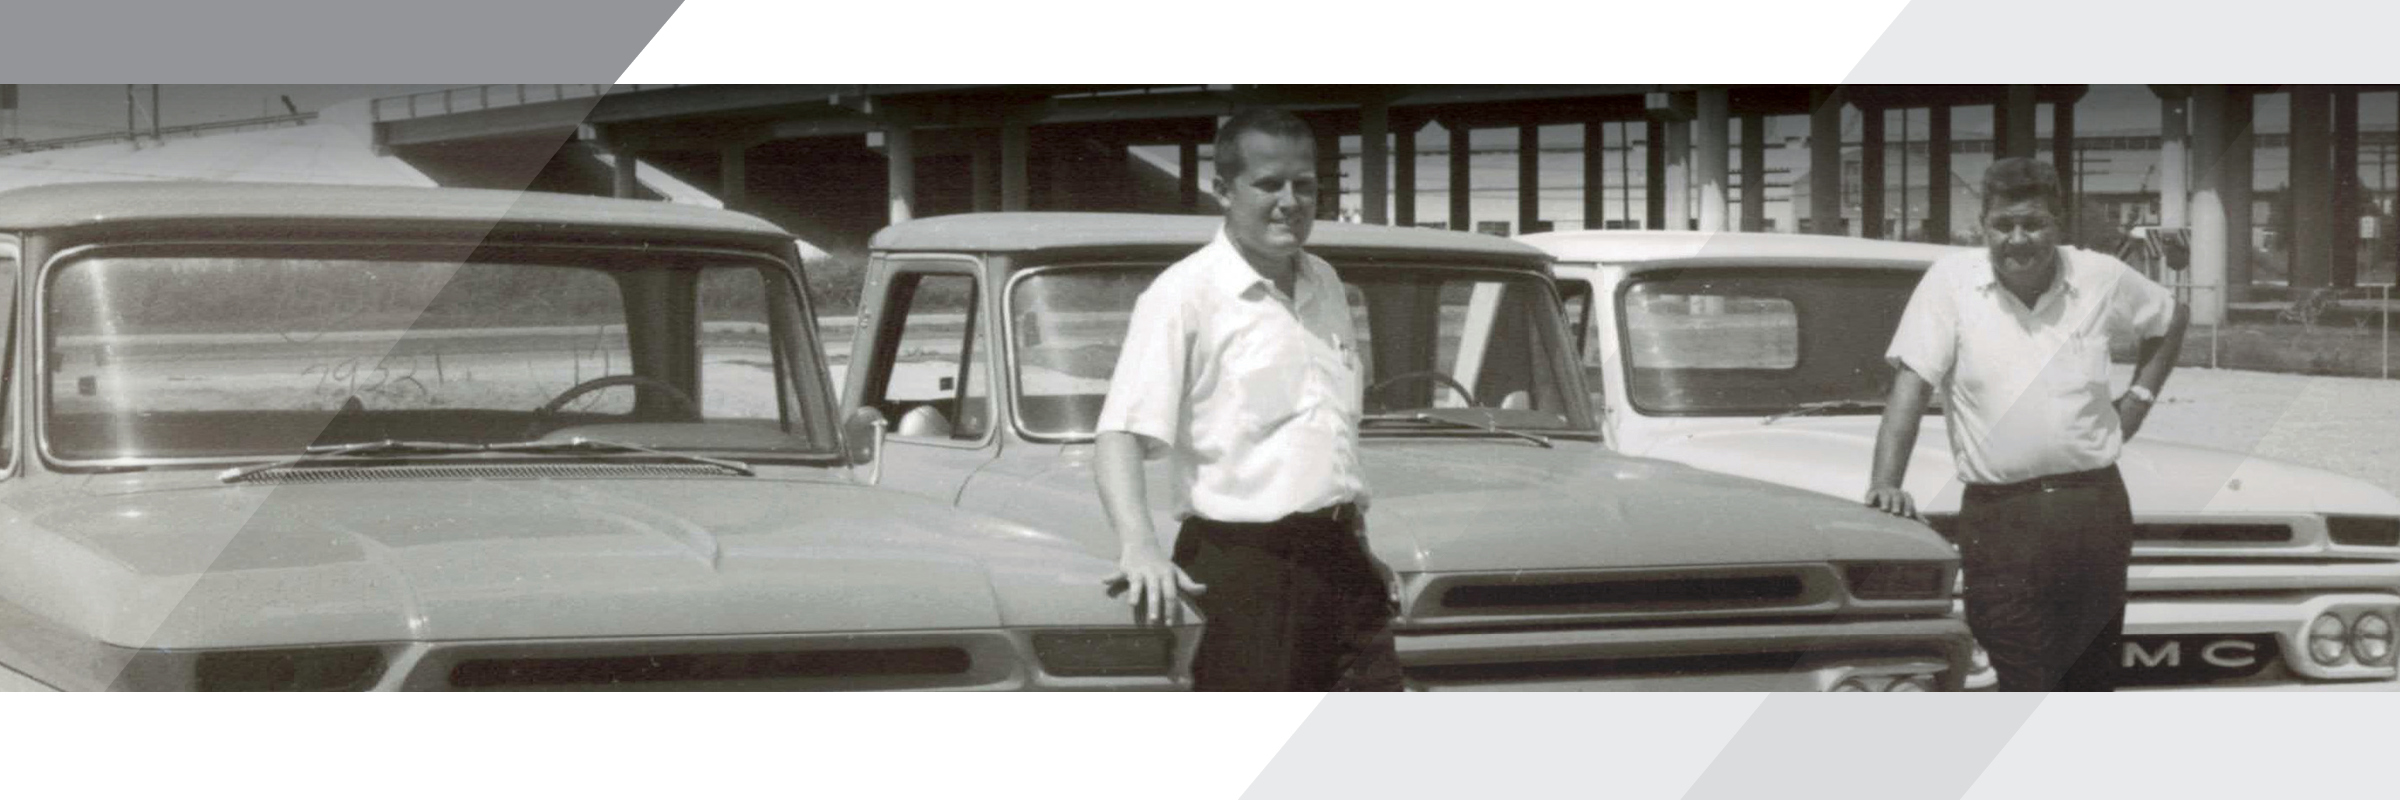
(420,560)
(1832,455)
(1477,504)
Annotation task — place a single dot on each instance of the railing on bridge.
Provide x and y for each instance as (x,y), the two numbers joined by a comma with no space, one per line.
(170,131)
(478,98)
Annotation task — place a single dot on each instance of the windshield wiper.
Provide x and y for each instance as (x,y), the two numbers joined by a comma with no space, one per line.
(402,447)
(1431,419)
(1819,406)
(586,444)
(353,449)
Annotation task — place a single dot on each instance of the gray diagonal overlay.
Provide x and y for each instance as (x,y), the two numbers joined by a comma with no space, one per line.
(1865,748)
(1501,745)
(329,41)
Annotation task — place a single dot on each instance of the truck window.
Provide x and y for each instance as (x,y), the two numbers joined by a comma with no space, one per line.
(935,373)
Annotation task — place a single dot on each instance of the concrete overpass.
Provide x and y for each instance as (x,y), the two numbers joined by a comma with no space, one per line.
(835,162)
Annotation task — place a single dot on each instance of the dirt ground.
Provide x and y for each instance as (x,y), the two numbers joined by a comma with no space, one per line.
(2345,425)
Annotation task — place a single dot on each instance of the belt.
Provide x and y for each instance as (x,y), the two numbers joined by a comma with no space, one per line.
(1338,512)
(2051,483)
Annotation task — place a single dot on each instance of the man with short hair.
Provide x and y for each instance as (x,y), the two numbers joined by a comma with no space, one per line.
(2017,337)
(1240,364)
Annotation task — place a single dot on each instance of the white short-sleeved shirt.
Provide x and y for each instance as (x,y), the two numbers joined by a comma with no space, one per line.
(2026,390)
(1253,396)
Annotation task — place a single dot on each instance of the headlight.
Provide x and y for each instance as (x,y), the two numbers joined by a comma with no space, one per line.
(1911,683)
(2371,638)
(1081,654)
(2328,639)
(308,669)
(1895,581)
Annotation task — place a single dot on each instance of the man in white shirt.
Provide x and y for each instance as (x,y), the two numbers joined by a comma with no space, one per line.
(2017,338)
(1240,366)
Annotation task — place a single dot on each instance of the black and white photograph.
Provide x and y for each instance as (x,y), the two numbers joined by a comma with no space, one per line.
(1711,397)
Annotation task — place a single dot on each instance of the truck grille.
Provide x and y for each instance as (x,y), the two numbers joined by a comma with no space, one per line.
(684,668)
(1735,591)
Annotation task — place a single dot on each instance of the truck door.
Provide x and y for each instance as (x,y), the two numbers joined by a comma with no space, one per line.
(929,371)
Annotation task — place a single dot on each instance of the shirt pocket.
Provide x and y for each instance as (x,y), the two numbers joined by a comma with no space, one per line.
(1265,372)
(2082,364)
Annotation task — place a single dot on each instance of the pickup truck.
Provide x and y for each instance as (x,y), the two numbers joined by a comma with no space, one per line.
(1528,554)
(1761,355)
(258,437)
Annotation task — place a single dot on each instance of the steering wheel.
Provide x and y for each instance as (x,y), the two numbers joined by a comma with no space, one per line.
(542,417)
(1433,375)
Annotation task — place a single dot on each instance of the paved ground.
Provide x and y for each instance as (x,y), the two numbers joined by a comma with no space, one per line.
(2345,425)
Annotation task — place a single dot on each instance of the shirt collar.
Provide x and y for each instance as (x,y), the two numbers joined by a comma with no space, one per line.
(2058,278)
(1233,274)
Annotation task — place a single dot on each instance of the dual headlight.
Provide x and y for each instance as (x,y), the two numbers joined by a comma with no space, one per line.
(2365,638)
(1900,683)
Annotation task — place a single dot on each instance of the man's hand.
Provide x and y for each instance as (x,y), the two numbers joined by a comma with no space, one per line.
(2131,411)
(1151,584)
(1893,500)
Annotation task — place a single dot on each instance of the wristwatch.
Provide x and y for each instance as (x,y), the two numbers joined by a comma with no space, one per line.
(2143,393)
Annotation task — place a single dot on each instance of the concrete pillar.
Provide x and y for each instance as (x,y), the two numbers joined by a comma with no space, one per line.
(1461,204)
(2020,120)
(983,171)
(1679,174)
(1375,163)
(733,176)
(1529,178)
(1754,172)
(1187,175)
(1329,171)
(1825,163)
(1404,173)
(2342,266)
(2311,188)
(2174,128)
(2208,212)
(2236,181)
(1714,105)
(625,183)
(1870,174)
(1595,175)
(1015,150)
(1937,174)
(2062,156)
(1654,175)
(900,171)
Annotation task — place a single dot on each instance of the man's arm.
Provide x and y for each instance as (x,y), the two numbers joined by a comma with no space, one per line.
(1903,411)
(1151,580)
(2155,361)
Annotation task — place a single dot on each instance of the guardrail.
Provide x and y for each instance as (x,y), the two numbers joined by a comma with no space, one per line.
(163,133)
(2309,311)
(500,95)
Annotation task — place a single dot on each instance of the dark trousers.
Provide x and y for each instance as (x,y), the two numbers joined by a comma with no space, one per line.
(1294,605)
(2045,571)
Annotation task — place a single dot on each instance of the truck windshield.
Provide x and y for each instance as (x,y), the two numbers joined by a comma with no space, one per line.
(1430,338)
(170,356)
(1725,342)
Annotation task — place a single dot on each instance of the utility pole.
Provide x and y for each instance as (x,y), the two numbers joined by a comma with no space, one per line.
(154,134)
(132,134)
(1903,229)
(1625,174)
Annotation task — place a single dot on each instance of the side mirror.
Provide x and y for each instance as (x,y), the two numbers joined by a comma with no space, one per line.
(862,435)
